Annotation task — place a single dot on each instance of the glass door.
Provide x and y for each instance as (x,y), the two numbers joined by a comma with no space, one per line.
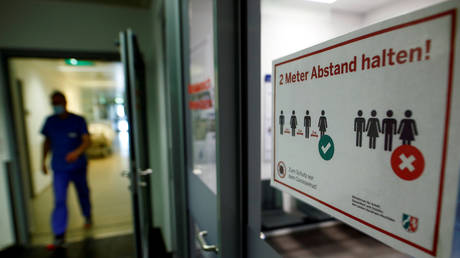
(134,69)
(211,89)
(201,131)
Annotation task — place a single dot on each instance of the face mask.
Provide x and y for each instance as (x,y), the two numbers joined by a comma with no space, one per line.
(58,110)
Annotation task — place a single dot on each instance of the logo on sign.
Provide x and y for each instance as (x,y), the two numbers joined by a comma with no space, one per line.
(409,223)
(281,169)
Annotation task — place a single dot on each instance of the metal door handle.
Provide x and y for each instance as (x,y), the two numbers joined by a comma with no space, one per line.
(148,171)
(204,245)
(141,172)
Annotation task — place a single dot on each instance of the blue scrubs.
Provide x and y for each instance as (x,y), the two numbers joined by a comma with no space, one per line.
(65,136)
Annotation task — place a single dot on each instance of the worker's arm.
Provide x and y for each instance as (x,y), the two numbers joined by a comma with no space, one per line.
(75,154)
(46,150)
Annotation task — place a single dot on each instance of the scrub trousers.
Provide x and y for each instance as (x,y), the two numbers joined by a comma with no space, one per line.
(61,180)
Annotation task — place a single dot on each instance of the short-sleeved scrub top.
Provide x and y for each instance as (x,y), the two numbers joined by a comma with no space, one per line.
(65,135)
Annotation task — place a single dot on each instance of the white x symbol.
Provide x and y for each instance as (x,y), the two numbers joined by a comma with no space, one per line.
(407,162)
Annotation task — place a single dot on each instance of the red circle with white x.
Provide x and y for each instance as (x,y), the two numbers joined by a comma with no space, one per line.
(407,162)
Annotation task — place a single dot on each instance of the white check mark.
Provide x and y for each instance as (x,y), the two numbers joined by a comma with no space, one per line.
(326,148)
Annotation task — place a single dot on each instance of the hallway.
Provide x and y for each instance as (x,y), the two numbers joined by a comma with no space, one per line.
(110,197)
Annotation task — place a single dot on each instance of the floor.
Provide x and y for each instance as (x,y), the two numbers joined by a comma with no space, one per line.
(110,197)
(331,242)
(111,247)
(119,246)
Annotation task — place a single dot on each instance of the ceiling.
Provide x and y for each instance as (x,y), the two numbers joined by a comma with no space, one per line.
(100,75)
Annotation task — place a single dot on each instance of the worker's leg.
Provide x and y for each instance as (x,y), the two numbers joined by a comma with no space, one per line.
(59,216)
(81,185)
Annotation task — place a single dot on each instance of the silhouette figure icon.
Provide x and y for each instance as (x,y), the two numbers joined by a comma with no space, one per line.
(389,126)
(293,123)
(322,124)
(373,129)
(307,124)
(407,129)
(281,121)
(360,126)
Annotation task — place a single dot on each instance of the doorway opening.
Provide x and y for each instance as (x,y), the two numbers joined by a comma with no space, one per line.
(95,90)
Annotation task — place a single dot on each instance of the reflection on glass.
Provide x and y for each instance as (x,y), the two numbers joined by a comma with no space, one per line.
(201,92)
(123,138)
(120,111)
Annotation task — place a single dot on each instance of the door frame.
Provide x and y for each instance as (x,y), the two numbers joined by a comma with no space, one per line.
(254,244)
(18,179)
(230,46)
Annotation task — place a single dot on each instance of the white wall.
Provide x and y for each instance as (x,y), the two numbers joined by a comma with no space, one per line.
(286,28)
(396,9)
(291,25)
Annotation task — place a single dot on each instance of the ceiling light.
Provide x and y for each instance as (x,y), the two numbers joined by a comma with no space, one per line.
(323,1)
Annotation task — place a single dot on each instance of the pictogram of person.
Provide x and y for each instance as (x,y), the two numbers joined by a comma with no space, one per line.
(389,126)
(373,129)
(407,129)
(322,124)
(307,124)
(293,123)
(281,121)
(360,126)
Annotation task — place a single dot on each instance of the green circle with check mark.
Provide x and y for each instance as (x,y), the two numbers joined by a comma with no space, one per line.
(326,147)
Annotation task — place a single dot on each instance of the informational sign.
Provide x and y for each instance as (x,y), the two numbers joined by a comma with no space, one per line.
(366,128)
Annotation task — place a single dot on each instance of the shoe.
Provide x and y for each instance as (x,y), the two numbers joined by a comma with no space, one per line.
(88,223)
(58,243)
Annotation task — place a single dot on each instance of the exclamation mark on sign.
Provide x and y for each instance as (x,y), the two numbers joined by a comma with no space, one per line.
(428,48)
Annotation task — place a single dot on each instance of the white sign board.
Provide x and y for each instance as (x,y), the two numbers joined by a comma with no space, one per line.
(366,129)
